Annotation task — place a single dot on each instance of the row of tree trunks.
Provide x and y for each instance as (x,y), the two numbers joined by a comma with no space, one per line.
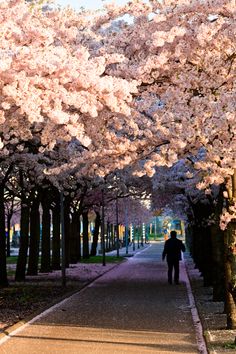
(207,250)
(50,249)
(214,253)
(30,243)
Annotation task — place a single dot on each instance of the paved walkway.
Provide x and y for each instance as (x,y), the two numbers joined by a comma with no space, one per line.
(130,309)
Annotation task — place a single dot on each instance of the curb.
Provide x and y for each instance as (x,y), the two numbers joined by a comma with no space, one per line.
(200,338)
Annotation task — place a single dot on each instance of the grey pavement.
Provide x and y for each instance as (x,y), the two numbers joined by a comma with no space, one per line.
(130,309)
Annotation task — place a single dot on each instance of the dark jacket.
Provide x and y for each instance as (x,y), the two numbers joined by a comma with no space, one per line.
(172,249)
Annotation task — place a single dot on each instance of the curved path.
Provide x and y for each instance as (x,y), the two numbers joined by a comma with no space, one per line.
(130,309)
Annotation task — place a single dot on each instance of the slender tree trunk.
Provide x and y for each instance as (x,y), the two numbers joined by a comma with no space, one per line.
(85,235)
(75,241)
(106,237)
(207,257)
(24,243)
(95,234)
(34,238)
(45,245)
(9,216)
(189,239)
(109,236)
(79,238)
(56,243)
(217,237)
(3,261)
(230,266)
(230,271)
(67,224)
(74,238)
(113,246)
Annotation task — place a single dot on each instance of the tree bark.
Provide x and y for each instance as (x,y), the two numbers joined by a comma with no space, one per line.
(67,224)
(109,236)
(56,242)
(207,267)
(217,238)
(34,238)
(74,238)
(78,237)
(112,236)
(230,271)
(24,243)
(95,234)
(3,260)
(45,245)
(230,265)
(9,216)
(85,235)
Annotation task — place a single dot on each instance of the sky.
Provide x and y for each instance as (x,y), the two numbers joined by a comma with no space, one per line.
(88,4)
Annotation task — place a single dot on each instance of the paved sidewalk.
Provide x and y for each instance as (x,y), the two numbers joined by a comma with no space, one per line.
(131,251)
(130,309)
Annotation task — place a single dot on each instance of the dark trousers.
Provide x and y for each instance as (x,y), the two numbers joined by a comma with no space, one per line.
(173,264)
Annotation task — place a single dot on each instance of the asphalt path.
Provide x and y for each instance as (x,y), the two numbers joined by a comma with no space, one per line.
(130,309)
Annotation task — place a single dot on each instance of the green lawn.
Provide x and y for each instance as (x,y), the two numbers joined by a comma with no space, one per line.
(12,260)
(93,259)
(98,259)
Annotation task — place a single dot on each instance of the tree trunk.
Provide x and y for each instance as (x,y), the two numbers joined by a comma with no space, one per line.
(109,236)
(74,238)
(34,238)
(24,243)
(78,237)
(207,267)
(85,235)
(217,237)
(95,234)
(3,260)
(230,271)
(56,243)
(230,265)
(9,216)
(45,245)
(67,224)
(112,236)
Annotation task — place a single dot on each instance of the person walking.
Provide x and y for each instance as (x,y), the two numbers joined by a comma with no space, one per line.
(172,251)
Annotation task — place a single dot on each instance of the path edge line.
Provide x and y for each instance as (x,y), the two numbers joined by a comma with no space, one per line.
(201,342)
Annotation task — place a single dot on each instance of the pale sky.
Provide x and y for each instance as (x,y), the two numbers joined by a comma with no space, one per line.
(88,4)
